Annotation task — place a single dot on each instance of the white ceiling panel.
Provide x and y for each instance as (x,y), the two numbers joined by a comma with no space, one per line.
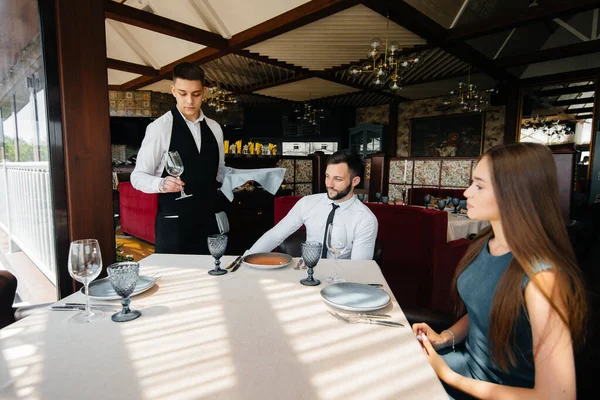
(163,86)
(307,89)
(183,11)
(119,77)
(163,48)
(118,47)
(339,39)
(241,15)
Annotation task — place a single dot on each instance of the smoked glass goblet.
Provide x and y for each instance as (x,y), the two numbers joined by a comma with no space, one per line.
(427,201)
(123,277)
(217,245)
(441,204)
(455,203)
(311,254)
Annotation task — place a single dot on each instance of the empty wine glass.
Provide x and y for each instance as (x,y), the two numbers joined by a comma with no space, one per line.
(311,254)
(85,264)
(174,167)
(427,201)
(455,203)
(123,277)
(217,245)
(336,244)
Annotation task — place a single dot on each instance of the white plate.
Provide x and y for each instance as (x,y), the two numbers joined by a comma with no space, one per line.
(267,260)
(352,296)
(101,289)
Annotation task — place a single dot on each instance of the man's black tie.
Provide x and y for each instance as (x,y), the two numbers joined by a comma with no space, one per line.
(329,221)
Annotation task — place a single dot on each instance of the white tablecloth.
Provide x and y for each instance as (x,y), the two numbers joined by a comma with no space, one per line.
(269,178)
(251,334)
(462,227)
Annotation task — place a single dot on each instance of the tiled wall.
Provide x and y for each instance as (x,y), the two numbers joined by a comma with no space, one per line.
(139,103)
(298,175)
(493,130)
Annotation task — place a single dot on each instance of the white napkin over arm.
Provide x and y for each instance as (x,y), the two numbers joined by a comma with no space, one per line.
(269,178)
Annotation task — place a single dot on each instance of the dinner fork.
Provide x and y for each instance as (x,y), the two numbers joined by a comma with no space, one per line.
(363,320)
(300,261)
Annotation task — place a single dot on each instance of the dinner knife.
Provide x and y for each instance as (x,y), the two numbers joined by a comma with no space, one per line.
(381,322)
(234,262)
(235,268)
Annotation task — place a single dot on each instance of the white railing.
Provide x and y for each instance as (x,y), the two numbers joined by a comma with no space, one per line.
(26,212)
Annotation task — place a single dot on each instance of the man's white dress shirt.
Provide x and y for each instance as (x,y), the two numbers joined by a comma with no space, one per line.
(149,164)
(312,211)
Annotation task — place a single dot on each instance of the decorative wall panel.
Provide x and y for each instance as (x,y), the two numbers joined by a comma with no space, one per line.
(456,173)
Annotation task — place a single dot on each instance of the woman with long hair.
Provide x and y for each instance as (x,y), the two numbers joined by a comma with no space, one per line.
(519,296)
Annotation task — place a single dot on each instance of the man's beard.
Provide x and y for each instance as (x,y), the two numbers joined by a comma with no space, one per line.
(341,194)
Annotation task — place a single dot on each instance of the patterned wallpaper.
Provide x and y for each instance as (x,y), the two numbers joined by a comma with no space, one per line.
(298,175)
(494,120)
(373,115)
(139,103)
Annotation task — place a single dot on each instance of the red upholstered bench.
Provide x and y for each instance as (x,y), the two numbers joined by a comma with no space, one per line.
(137,212)
(418,263)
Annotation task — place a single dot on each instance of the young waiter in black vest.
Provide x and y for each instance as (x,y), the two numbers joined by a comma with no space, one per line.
(183,225)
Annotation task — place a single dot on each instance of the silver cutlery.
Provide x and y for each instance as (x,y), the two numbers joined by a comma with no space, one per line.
(366,320)
(234,262)
(300,261)
(379,285)
(91,305)
(369,315)
(237,265)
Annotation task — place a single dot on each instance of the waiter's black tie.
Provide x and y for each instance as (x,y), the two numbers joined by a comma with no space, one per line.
(329,221)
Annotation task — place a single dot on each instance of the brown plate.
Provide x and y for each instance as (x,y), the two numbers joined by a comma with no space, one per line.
(267,260)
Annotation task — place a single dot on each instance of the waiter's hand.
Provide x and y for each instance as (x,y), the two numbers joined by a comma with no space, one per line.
(171,184)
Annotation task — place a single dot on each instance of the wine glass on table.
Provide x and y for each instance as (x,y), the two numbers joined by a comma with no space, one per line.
(336,244)
(455,203)
(217,245)
(311,254)
(85,264)
(427,200)
(174,167)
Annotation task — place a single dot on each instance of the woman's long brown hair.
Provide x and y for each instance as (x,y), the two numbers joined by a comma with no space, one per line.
(526,189)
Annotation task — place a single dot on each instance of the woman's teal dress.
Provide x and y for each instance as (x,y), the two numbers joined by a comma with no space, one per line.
(477,286)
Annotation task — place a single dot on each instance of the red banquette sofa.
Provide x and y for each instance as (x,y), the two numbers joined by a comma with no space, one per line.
(418,263)
(137,212)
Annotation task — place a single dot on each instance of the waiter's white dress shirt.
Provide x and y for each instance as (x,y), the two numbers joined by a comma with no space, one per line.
(149,164)
(312,211)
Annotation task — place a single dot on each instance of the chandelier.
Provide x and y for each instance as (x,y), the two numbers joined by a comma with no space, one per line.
(386,62)
(310,114)
(220,98)
(468,96)
(548,127)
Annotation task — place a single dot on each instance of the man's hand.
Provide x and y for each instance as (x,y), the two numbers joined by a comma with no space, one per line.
(171,184)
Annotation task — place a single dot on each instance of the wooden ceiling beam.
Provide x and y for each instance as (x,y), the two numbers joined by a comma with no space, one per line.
(302,15)
(547,10)
(410,18)
(332,78)
(554,53)
(295,18)
(266,85)
(156,23)
(126,66)
(585,116)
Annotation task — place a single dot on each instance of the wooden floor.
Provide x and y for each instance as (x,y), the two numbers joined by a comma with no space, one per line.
(133,246)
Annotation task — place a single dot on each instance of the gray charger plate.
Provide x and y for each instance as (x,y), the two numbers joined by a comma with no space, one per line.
(352,296)
(102,289)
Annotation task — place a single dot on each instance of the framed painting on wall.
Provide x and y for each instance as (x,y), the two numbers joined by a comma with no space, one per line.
(447,136)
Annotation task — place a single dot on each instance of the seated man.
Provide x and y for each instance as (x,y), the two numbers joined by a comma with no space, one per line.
(338,205)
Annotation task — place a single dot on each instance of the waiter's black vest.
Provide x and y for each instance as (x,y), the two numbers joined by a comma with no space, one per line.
(195,220)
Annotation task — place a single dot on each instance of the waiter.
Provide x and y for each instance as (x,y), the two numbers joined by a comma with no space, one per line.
(182,225)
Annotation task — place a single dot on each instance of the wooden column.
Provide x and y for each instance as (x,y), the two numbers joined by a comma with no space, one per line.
(379,176)
(83,88)
(512,116)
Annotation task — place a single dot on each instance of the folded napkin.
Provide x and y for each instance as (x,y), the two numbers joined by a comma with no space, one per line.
(269,178)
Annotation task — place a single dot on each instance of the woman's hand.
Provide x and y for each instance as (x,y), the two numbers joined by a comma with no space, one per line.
(437,362)
(421,328)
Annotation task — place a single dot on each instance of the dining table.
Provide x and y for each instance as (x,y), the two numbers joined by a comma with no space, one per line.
(255,333)
(461,226)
